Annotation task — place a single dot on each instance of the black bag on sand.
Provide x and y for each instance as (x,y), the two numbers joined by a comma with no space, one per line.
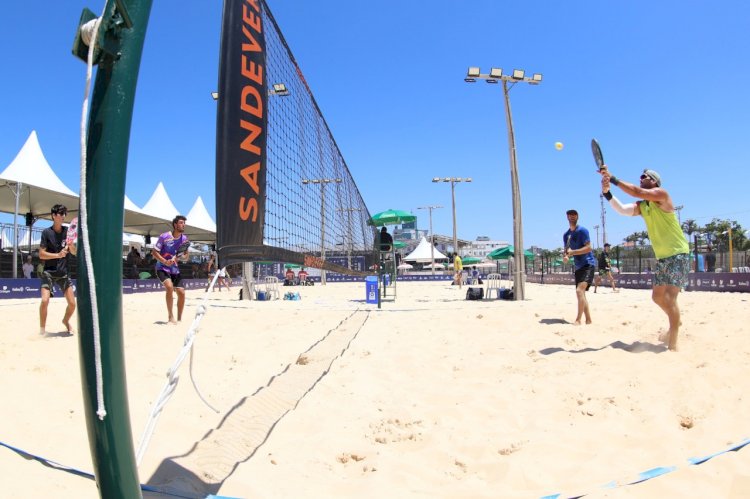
(475,293)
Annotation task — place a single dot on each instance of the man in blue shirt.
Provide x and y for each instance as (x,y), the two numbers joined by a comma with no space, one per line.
(578,245)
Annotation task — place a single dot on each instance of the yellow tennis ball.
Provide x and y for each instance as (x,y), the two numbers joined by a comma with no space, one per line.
(558,146)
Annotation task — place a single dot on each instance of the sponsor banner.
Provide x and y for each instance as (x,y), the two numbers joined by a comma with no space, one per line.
(241,133)
(25,288)
(725,281)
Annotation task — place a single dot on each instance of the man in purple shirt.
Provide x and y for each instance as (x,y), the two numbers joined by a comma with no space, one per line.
(170,247)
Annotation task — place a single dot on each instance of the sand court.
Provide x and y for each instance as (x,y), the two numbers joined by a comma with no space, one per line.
(431,396)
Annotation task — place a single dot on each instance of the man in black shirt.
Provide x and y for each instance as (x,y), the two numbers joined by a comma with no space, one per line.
(605,269)
(53,251)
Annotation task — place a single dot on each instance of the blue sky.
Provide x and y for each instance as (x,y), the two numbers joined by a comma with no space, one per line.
(660,84)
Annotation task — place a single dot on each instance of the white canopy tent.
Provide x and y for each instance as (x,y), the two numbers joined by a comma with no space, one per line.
(423,254)
(29,185)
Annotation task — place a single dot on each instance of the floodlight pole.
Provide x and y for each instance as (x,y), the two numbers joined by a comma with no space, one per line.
(453,181)
(432,243)
(495,75)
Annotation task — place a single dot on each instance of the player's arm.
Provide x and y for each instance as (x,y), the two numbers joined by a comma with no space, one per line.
(158,257)
(46,255)
(580,251)
(630,209)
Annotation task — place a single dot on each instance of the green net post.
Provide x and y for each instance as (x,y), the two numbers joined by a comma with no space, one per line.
(119,47)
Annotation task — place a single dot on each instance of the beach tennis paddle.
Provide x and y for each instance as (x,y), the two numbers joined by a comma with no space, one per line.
(71,239)
(598,157)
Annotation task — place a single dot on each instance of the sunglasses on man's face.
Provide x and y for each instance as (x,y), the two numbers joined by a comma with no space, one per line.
(646,176)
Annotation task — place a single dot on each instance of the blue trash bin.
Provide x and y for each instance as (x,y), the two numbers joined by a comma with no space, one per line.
(371,289)
(387,279)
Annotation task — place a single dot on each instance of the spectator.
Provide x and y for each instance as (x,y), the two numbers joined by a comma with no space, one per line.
(28,268)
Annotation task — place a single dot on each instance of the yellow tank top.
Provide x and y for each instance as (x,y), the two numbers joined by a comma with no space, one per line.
(664,231)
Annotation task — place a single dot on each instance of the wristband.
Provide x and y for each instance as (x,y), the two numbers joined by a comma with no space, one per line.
(613,180)
(607,195)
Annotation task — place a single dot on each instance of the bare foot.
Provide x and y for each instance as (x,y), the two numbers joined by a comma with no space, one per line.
(42,331)
(172,321)
(577,323)
(68,327)
(588,322)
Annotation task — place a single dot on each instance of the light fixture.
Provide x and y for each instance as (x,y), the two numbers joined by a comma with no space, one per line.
(215,95)
(518,74)
(436,179)
(536,79)
(496,72)
(472,74)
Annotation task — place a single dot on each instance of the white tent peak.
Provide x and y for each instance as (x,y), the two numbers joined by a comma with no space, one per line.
(423,254)
(198,216)
(30,167)
(160,205)
(130,205)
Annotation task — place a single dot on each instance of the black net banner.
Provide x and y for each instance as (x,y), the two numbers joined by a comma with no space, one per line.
(283,190)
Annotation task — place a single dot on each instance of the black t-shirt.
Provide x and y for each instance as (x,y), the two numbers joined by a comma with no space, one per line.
(604,261)
(386,241)
(54,243)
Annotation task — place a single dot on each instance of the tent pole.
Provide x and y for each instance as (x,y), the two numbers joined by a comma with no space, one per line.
(19,187)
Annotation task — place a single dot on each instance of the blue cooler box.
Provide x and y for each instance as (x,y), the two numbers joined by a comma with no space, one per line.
(371,289)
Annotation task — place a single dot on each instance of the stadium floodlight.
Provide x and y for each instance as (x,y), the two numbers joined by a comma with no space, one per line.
(215,95)
(436,179)
(472,74)
(517,76)
(279,89)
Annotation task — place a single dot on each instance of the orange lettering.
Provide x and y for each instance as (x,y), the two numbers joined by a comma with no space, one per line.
(252,71)
(250,18)
(248,207)
(253,46)
(250,174)
(247,143)
(255,110)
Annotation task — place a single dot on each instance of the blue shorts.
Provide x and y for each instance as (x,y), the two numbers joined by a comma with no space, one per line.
(672,271)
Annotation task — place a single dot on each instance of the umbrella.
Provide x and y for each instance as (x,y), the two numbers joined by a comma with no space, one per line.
(399,244)
(404,266)
(391,217)
(471,260)
(506,252)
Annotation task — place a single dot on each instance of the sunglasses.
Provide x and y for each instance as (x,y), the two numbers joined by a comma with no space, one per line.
(646,176)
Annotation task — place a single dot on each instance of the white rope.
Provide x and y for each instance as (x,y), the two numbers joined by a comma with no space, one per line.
(91,32)
(172,377)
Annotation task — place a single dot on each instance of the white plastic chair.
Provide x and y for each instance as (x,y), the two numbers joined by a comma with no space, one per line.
(271,284)
(494,281)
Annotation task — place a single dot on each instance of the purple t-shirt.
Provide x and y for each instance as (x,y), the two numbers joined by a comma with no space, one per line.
(167,246)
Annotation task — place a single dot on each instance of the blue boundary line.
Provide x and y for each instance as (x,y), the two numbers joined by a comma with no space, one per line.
(641,477)
(654,472)
(85,474)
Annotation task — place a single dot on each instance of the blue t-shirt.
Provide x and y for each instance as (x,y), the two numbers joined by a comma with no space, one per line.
(578,239)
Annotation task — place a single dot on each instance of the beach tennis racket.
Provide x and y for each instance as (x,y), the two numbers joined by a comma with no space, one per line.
(71,239)
(598,157)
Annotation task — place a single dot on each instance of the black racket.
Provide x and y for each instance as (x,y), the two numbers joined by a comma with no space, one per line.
(180,251)
(598,157)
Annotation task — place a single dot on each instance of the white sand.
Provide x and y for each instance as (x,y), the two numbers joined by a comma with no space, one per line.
(432,396)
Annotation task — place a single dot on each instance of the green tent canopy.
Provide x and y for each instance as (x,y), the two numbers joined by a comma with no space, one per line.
(507,252)
(471,260)
(391,217)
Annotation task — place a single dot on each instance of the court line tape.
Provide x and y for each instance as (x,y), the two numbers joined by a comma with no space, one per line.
(85,474)
(654,472)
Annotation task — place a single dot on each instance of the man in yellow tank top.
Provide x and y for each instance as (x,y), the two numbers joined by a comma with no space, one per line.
(664,231)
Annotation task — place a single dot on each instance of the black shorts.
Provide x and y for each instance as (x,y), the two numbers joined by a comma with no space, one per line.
(585,274)
(49,281)
(176,278)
